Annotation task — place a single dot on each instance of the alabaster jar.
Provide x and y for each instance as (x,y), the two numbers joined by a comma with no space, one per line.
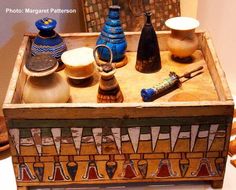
(183,41)
(44,85)
(79,63)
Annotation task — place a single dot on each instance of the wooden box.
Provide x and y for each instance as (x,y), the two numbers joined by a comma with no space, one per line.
(182,136)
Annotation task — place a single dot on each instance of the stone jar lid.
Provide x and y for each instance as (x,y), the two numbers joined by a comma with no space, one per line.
(46,24)
(182,23)
(41,65)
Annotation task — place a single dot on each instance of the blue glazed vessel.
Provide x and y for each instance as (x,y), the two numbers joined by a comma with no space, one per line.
(112,35)
(48,41)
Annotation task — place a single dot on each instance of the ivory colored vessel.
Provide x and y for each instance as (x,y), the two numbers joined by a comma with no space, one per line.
(183,41)
(79,63)
(45,86)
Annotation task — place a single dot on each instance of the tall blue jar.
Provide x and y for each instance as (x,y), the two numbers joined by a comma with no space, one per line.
(112,35)
(48,41)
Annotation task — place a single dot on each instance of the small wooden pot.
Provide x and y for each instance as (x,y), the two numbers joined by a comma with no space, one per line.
(109,89)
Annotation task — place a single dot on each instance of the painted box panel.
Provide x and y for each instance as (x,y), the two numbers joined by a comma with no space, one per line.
(111,151)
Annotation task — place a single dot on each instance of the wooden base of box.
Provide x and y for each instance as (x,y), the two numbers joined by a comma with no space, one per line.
(216,184)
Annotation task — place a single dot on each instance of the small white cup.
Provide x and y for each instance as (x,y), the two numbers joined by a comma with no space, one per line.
(79,63)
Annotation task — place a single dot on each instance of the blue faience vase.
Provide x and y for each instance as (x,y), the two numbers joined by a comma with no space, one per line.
(112,35)
(48,41)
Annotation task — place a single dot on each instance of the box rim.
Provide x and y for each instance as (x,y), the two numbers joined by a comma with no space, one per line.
(16,71)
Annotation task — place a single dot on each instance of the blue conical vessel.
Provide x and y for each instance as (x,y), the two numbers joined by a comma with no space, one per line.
(112,35)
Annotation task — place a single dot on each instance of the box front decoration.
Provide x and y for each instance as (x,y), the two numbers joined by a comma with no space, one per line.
(119,150)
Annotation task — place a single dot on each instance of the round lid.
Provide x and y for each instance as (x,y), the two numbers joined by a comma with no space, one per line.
(78,57)
(41,65)
(46,24)
(107,68)
(117,7)
(182,23)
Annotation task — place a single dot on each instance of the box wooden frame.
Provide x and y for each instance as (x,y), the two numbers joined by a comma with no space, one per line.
(20,115)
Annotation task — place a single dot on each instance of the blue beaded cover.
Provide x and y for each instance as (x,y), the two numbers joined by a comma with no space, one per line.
(48,41)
